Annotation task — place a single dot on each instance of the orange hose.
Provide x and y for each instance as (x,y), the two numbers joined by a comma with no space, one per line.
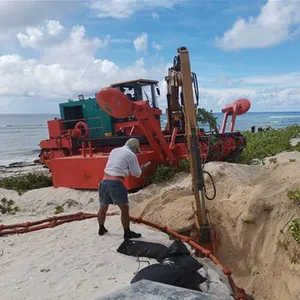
(52,222)
(59,220)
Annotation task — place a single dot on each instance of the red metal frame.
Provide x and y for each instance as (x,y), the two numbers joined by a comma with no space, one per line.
(237,108)
(79,163)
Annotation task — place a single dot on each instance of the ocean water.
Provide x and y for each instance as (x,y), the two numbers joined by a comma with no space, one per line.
(20,134)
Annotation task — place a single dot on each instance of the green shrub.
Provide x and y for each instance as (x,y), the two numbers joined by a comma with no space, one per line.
(7,207)
(26,182)
(289,240)
(268,143)
(294,229)
(294,195)
(163,173)
(59,209)
(207,117)
(184,166)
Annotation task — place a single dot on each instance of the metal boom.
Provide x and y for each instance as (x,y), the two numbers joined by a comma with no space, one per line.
(191,130)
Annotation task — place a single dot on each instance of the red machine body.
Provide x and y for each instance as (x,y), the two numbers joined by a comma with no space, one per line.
(77,158)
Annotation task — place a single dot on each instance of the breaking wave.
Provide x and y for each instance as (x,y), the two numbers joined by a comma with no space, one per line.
(285,117)
(23,126)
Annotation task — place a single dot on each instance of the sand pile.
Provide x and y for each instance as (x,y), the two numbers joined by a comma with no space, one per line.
(44,201)
(249,213)
(166,204)
(250,209)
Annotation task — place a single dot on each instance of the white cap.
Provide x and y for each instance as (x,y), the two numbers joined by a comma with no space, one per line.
(134,145)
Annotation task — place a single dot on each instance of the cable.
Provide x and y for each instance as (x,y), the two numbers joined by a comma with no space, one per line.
(176,63)
(196,87)
(139,261)
(214,187)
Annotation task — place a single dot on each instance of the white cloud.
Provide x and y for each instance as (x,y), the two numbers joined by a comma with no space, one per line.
(40,35)
(75,51)
(277,22)
(68,67)
(283,80)
(156,46)
(54,27)
(121,9)
(286,80)
(33,36)
(140,43)
(64,70)
(264,99)
(155,16)
(276,92)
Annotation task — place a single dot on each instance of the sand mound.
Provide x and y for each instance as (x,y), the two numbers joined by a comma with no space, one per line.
(250,209)
(249,214)
(44,201)
(160,203)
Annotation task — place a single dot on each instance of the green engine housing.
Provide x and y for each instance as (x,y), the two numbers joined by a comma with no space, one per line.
(88,111)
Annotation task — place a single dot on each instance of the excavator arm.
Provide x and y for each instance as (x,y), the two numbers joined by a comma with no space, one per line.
(180,76)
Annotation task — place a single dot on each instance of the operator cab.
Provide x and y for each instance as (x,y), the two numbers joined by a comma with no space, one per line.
(140,89)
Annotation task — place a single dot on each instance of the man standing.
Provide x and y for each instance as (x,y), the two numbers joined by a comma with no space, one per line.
(121,162)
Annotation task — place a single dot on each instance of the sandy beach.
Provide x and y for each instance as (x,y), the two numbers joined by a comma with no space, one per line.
(72,262)
(68,262)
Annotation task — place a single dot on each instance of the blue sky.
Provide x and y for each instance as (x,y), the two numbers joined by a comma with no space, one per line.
(54,50)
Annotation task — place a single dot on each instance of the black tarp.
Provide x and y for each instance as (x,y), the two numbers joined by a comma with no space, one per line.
(176,266)
(142,249)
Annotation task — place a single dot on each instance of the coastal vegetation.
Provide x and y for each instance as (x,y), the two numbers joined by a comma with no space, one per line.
(294,195)
(59,209)
(261,145)
(8,207)
(289,238)
(25,182)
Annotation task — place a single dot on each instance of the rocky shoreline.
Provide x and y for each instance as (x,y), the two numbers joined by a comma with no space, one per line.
(19,168)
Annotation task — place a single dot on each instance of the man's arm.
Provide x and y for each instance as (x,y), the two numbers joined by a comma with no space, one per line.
(134,167)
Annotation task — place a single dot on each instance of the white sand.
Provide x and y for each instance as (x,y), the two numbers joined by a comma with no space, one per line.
(68,262)
(249,211)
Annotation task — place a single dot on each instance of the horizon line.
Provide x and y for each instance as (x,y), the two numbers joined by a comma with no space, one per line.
(48,114)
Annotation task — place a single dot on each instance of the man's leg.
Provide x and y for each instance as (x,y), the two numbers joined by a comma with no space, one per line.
(120,197)
(101,218)
(125,219)
(105,200)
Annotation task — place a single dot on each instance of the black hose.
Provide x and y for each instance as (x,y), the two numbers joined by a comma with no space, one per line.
(196,87)
(210,176)
(176,63)
(214,187)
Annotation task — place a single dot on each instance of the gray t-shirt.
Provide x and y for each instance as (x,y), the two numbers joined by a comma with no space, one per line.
(121,162)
